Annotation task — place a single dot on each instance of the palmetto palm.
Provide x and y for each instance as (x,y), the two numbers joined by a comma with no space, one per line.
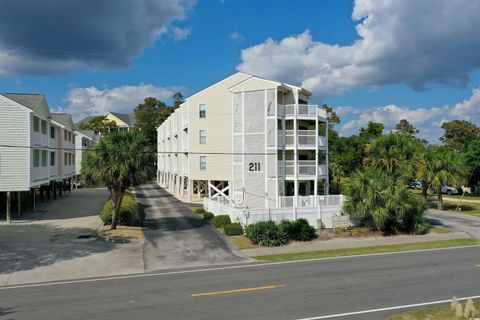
(391,153)
(444,166)
(377,200)
(120,160)
(337,172)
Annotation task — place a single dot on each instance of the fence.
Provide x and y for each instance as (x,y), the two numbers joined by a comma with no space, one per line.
(320,216)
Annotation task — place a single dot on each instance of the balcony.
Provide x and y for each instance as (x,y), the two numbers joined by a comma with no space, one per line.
(301,110)
(40,139)
(305,139)
(311,201)
(185,120)
(306,169)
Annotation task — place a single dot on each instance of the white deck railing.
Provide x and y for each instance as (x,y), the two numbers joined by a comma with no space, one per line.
(301,110)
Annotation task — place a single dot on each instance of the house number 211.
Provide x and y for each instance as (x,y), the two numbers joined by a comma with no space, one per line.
(254,166)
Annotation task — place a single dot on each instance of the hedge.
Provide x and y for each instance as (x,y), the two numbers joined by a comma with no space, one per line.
(220,221)
(128,211)
(233,229)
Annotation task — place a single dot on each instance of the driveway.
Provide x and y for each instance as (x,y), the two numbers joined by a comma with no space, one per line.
(58,242)
(456,221)
(176,237)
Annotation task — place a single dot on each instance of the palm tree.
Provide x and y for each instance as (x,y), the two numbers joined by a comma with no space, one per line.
(445,166)
(337,172)
(391,153)
(379,201)
(120,160)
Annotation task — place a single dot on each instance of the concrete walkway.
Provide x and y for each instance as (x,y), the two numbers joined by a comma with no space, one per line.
(58,242)
(176,237)
(345,243)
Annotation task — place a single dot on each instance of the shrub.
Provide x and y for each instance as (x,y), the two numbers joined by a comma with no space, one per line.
(266,233)
(200,211)
(299,230)
(208,216)
(127,215)
(220,221)
(233,229)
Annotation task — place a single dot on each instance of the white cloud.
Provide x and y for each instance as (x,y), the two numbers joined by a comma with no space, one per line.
(179,34)
(427,119)
(82,102)
(411,42)
(236,36)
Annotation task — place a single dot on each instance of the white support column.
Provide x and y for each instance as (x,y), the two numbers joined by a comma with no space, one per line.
(295,155)
(209,189)
(9,206)
(327,181)
(315,185)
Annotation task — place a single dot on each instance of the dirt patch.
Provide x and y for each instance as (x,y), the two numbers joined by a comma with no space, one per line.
(123,232)
(354,232)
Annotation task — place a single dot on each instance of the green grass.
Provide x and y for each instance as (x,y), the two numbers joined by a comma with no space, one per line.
(440,312)
(468,208)
(367,250)
(437,229)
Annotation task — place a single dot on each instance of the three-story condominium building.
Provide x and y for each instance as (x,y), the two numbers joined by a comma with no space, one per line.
(37,150)
(253,142)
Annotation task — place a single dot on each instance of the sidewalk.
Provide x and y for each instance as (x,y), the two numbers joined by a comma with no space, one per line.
(58,242)
(343,243)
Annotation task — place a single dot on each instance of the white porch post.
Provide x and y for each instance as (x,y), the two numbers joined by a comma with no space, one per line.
(315,185)
(327,181)
(295,155)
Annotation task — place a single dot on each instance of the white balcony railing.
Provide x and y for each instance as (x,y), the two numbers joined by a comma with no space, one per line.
(304,167)
(304,139)
(301,110)
(311,201)
(40,139)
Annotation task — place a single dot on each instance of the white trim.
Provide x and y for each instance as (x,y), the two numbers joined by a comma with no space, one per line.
(217,83)
(16,104)
(252,78)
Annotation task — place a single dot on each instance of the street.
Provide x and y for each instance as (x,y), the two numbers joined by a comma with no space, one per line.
(288,290)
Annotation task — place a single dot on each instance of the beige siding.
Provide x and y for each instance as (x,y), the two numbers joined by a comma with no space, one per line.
(255,84)
(218,126)
(14,162)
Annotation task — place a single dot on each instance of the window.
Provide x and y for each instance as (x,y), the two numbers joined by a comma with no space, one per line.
(52,159)
(44,127)
(202,110)
(36,124)
(36,158)
(202,137)
(44,158)
(52,132)
(203,163)
(65,159)
(65,135)
(69,136)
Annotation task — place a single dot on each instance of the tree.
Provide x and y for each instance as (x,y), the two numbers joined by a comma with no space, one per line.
(100,125)
(472,159)
(332,116)
(336,170)
(404,127)
(120,160)
(372,131)
(391,153)
(446,167)
(177,99)
(457,132)
(379,201)
(149,115)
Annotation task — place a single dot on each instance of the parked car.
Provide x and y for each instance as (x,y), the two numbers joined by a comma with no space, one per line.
(414,184)
(446,189)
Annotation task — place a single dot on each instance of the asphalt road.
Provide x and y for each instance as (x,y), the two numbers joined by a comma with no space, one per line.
(456,221)
(302,289)
(176,237)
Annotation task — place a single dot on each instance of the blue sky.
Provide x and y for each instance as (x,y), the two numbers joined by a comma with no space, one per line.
(377,61)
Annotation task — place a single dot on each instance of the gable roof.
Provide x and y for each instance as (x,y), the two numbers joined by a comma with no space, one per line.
(62,118)
(29,100)
(129,119)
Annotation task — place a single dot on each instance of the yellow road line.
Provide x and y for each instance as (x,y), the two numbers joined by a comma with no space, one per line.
(236,290)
